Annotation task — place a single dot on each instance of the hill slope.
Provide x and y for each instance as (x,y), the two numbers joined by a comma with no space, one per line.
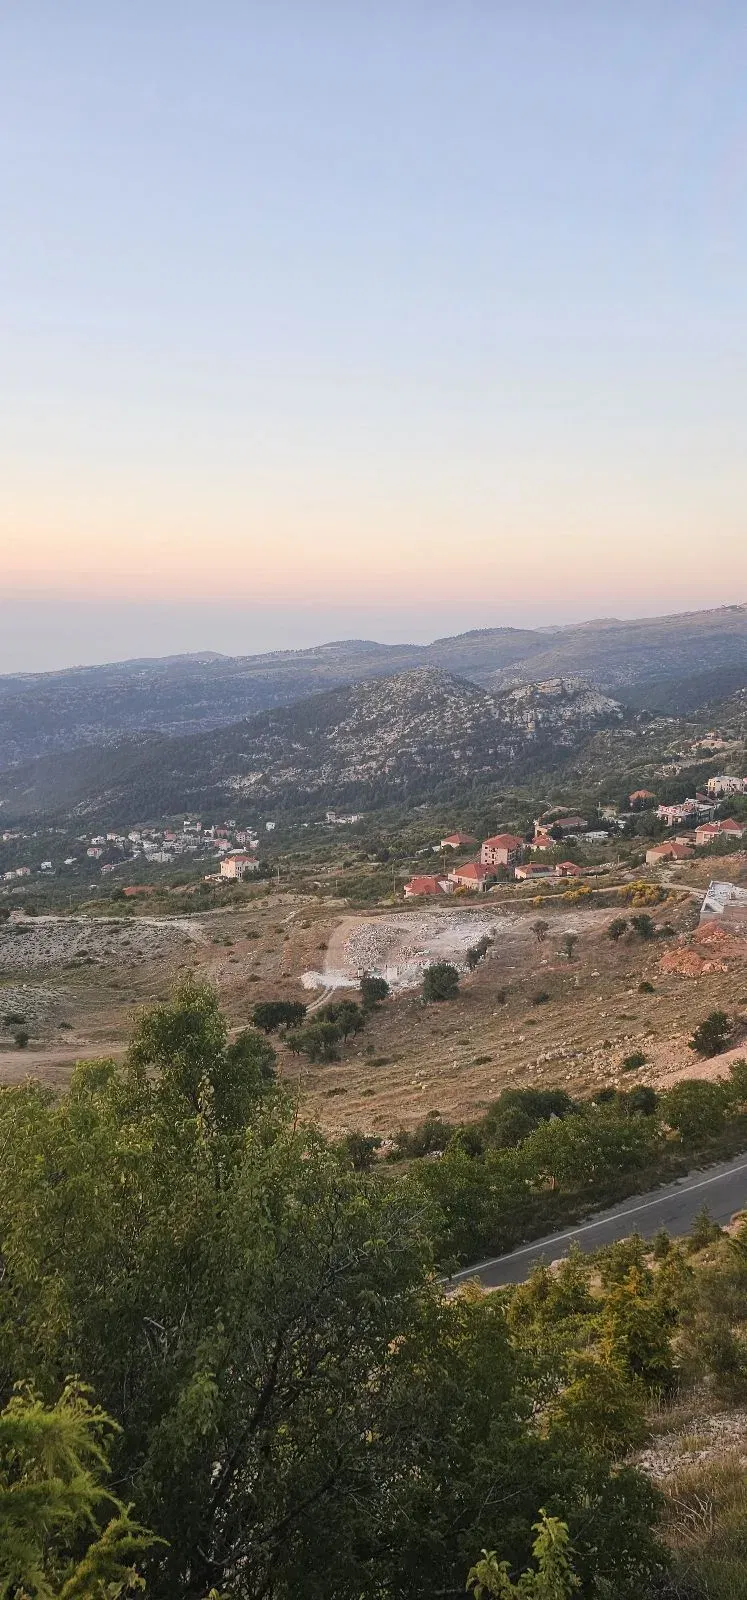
(669,663)
(416,735)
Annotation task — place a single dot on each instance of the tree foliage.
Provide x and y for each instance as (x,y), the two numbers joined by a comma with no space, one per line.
(63,1534)
(440,982)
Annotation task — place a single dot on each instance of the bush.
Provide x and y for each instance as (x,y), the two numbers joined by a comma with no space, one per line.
(373,991)
(617,928)
(695,1110)
(645,987)
(440,982)
(540,998)
(13,1019)
(477,952)
(21,1038)
(632,1062)
(711,1036)
(643,925)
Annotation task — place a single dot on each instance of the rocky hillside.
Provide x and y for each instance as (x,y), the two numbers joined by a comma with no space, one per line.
(670,664)
(417,735)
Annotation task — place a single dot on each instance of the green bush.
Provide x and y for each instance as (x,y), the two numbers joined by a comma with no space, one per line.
(440,982)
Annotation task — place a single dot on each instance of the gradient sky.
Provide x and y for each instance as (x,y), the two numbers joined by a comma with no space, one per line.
(393,316)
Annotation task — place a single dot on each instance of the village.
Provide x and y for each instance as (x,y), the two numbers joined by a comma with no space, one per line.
(509,856)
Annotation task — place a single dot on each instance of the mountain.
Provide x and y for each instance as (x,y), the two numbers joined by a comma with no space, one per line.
(420,734)
(645,656)
(668,663)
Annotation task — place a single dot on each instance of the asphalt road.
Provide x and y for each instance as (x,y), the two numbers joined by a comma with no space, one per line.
(723,1189)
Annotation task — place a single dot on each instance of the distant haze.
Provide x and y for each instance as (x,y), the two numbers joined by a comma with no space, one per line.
(45,634)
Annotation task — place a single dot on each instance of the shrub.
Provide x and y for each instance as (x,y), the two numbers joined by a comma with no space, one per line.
(617,928)
(21,1038)
(477,952)
(695,1110)
(632,1062)
(645,987)
(13,1019)
(540,998)
(373,991)
(440,982)
(540,929)
(643,925)
(568,944)
(711,1035)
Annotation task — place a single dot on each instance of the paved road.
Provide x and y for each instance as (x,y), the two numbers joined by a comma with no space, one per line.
(723,1189)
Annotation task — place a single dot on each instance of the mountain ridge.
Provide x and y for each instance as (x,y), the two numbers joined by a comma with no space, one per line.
(181,695)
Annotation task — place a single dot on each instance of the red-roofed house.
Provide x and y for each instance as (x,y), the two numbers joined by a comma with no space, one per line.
(568,869)
(457,841)
(426,884)
(503,850)
(543,841)
(670,850)
(473,875)
(640,798)
(730,828)
(534,869)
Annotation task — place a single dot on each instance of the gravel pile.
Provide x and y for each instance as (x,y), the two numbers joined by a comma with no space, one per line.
(399,947)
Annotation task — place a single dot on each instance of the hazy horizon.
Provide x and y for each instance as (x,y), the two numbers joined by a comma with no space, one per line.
(128,632)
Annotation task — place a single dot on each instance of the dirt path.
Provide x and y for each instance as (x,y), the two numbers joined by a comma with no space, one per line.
(53,1066)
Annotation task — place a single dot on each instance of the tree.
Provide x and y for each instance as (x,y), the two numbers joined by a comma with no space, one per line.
(643,925)
(373,991)
(617,928)
(21,1038)
(344,1015)
(695,1110)
(269,1015)
(712,1035)
(319,1041)
(440,982)
(62,1533)
(540,929)
(568,944)
(301,1409)
(554,1578)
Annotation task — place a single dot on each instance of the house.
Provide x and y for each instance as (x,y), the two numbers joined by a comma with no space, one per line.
(457,841)
(426,884)
(688,813)
(533,869)
(730,828)
(724,899)
(238,865)
(471,876)
(724,784)
(543,841)
(568,869)
(95,851)
(598,836)
(571,824)
(503,850)
(670,850)
(640,798)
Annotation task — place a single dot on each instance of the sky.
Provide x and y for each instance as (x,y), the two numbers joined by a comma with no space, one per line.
(382,319)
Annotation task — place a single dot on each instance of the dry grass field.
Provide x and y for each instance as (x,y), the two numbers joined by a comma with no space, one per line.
(527,1015)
